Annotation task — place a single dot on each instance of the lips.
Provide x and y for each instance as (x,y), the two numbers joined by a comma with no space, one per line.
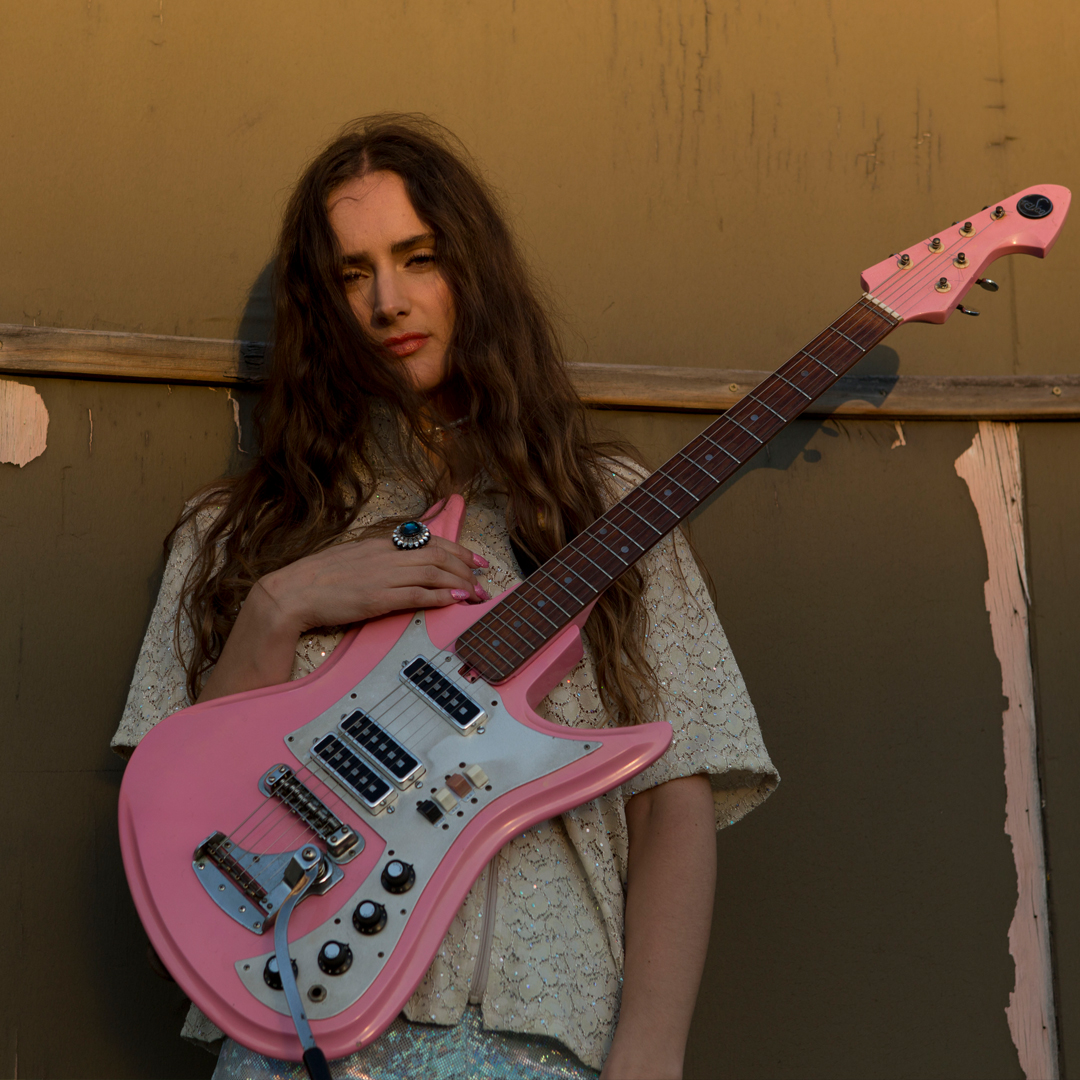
(405,344)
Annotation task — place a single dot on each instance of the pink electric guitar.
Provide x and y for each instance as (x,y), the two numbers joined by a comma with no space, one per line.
(377,788)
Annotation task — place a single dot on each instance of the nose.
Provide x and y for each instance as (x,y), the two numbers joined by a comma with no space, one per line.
(389,300)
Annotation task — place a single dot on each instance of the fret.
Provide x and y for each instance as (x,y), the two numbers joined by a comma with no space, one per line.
(627,506)
(747,430)
(659,502)
(668,476)
(574,573)
(821,362)
(502,639)
(548,597)
(846,338)
(682,454)
(769,407)
(542,603)
(529,647)
(603,531)
(513,630)
(720,446)
(794,387)
(596,564)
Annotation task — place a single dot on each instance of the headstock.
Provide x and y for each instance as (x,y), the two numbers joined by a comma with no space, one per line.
(927,282)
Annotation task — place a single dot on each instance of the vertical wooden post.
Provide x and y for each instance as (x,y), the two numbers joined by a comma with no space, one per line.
(991,469)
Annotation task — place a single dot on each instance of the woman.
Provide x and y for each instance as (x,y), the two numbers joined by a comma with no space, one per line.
(412,359)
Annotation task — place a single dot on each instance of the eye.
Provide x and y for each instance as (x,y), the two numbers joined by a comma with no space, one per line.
(421,258)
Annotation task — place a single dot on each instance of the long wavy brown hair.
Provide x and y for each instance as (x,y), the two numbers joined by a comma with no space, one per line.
(506,374)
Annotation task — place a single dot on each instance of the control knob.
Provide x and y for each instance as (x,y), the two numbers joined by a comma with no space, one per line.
(398,876)
(272,973)
(335,958)
(369,917)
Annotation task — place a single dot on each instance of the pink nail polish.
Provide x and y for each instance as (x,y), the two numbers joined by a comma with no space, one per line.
(479,560)
(481,592)
(459,594)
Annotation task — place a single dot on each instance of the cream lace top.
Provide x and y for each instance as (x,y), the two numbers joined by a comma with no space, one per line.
(557,947)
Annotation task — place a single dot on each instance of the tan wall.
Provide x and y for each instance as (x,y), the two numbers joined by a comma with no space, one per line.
(699,183)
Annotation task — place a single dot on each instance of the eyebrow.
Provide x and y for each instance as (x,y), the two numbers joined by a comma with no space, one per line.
(395,249)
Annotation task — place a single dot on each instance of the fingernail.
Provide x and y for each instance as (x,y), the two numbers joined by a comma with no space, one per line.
(479,560)
(481,592)
(459,594)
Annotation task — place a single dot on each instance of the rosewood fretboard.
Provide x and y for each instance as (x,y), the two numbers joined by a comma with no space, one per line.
(510,633)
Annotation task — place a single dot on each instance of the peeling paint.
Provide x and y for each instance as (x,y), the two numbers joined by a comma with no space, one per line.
(899,440)
(24,423)
(991,469)
(236,420)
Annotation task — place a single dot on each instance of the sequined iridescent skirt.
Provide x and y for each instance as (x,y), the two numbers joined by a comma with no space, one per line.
(408,1051)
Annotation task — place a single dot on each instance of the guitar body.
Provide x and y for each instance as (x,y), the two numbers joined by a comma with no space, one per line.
(198,773)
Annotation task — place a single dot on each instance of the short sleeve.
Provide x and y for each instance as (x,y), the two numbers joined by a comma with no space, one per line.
(702,692)
(159,685)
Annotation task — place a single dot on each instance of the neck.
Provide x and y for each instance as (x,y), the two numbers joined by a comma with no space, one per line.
(511,632)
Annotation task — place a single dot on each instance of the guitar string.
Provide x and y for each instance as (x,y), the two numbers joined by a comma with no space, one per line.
(679,468)
(408,705)
(850,320)
(899,284)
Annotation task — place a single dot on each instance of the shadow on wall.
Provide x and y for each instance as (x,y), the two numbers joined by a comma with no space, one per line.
(881,363)
(256,325)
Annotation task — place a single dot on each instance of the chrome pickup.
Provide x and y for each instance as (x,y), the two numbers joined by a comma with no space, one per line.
(346,765)
(440,693)
(341,841)
(250,887)
(400,765)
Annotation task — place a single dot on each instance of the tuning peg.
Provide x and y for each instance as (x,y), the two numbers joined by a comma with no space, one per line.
(965,311)
(987,284)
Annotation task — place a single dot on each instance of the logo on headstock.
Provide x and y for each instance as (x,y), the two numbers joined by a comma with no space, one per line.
(1034,206)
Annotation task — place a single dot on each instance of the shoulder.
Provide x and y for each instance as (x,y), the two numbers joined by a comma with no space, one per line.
(620,474)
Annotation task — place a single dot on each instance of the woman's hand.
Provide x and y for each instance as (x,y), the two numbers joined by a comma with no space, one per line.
(669,900)
(343,584)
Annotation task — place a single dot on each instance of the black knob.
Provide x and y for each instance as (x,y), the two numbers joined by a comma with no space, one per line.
(398,876)
(335,958)
(272,973)
(369,917)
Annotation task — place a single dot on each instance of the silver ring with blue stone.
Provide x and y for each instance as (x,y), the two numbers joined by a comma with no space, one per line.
(411,534)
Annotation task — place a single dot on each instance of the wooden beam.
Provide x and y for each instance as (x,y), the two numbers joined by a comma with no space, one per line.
(95,354)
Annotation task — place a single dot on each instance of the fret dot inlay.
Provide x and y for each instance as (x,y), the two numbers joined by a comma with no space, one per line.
(567,580)
(624,549)
(667,491)
(708,457)
(754,417)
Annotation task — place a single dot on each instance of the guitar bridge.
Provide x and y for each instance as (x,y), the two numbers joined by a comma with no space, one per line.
(250,886)
(340,840)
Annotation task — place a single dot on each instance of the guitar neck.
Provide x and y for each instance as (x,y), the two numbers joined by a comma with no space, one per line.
(511,632)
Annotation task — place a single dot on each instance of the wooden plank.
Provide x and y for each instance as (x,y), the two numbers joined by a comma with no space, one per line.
(94,354)
(991,469)
(97,354)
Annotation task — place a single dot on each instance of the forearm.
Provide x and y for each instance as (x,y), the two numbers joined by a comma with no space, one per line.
(259,650)
(671,882)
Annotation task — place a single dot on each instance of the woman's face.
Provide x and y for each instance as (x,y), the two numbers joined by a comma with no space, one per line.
(391,274)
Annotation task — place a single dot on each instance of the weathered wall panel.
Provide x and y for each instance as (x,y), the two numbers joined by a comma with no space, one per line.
(699,184)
